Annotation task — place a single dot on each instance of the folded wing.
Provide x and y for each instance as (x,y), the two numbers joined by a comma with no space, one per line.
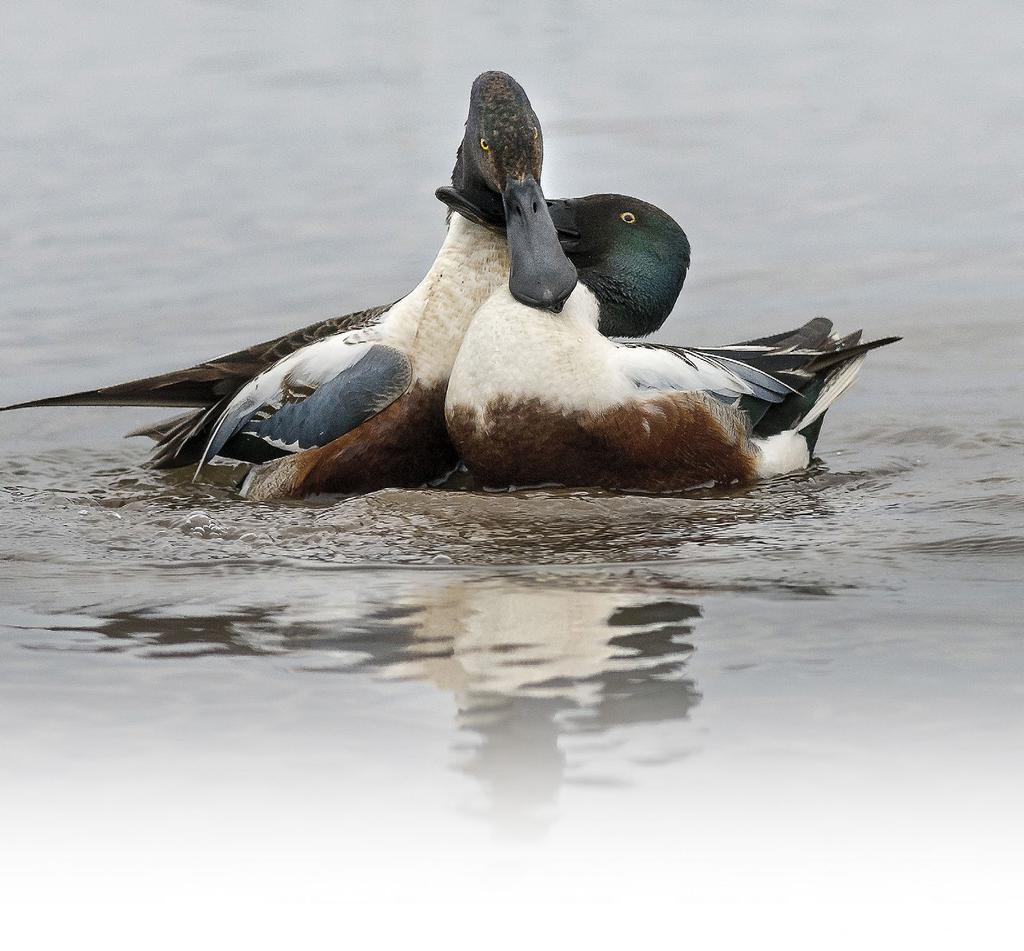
(309,398)
(654,367)
(779,382)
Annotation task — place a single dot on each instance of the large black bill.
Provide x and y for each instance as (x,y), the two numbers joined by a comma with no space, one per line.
(541,275)
(484,208)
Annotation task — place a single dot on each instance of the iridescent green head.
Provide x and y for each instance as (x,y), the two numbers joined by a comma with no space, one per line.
(631,254)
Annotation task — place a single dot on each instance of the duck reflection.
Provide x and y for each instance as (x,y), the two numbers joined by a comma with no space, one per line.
(536,667)
(532,665)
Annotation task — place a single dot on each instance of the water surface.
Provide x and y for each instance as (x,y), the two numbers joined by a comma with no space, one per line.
(791,681)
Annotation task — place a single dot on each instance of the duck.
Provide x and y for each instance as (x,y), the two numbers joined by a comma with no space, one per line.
(371,384)
(542,398)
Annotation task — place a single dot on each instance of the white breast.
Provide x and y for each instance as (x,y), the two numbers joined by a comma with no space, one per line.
(430,322)
(522,353)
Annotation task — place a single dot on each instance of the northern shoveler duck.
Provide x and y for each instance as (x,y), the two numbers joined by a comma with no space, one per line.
(537,397)
(383,371)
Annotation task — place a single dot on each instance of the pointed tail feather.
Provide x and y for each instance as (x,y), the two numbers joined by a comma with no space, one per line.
(837,383)
(835,373)
(832,371)
(847,349)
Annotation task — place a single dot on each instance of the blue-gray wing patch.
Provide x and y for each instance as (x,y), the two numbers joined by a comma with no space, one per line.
(305,414)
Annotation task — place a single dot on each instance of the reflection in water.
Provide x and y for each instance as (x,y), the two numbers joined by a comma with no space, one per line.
(529,665)
(193,635)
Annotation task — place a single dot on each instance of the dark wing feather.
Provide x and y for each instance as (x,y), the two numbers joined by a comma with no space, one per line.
(802,358)
(815,333)
(184,443)
(209,386)
(786,356)
(166,428)
(208,382)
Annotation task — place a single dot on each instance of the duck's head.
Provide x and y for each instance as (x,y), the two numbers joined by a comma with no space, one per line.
(496,182)
(630,254)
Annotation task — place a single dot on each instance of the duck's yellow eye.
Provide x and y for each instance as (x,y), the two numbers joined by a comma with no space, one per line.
(484,145)
(628,217)
(536,132)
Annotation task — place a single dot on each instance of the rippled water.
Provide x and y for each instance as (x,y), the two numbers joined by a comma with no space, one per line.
(795,678)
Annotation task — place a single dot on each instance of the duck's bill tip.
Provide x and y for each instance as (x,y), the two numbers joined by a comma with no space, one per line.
(540,274)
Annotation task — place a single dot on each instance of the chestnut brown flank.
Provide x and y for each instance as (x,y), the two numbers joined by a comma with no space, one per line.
(405,445)
(689,439)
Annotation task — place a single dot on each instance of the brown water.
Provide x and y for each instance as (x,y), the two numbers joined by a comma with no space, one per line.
(807,689)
